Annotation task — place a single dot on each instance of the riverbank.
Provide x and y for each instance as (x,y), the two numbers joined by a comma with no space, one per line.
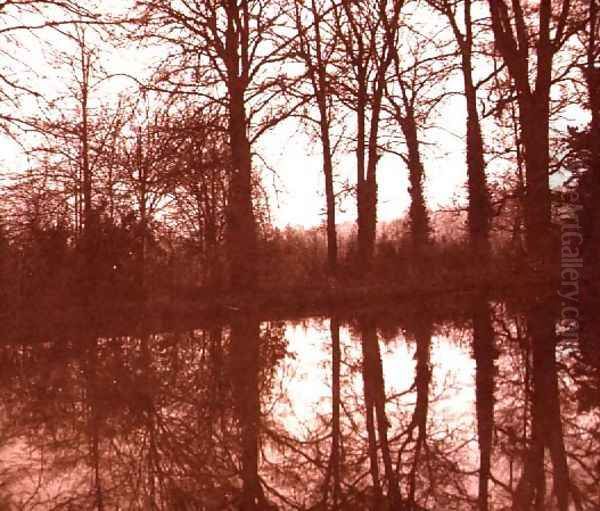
(198,308)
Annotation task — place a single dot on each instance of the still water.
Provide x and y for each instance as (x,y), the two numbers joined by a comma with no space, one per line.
(365,412)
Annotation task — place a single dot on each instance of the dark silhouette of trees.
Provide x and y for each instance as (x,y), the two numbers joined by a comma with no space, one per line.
(515,41)
(316,47)
(238,48)
(367,35)
(479,209)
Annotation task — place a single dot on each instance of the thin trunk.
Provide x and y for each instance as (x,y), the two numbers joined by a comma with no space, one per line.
(142,179)
(88,223)
(321,91)
(93,397)
(85,151)
(149,413)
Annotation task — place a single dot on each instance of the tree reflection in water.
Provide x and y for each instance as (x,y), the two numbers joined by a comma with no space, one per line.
(403,411)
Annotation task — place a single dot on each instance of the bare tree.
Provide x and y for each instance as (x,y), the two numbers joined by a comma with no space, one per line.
(528,53)
(367,33)
(479,200)
(316,50)
(231,53)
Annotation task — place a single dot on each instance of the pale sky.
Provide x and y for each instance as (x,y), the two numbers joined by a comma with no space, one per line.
(297,189)
(298,164)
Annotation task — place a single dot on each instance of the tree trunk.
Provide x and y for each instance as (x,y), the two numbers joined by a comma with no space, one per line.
(479,200)
(535,127)
(364,249)
(89,226)
(590,327)
(534,120)
(418,215)
(242,235)
(241,222)
(322,93)
(94,421)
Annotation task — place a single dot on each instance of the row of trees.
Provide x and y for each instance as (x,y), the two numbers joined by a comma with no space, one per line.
(369,78)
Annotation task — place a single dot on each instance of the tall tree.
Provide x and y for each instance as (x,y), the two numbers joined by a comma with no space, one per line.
(479,200)
(231,53)
(367,33)
(528,53)
(412,98)
(316,49)
(591,71)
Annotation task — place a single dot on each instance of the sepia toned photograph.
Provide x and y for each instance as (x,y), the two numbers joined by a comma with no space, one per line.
(300,255)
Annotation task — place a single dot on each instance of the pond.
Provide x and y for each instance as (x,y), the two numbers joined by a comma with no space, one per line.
(402,410)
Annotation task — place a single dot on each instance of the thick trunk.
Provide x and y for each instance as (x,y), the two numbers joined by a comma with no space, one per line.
(534,121)
(594,246)
(241,222)
(546,423)
(242,235)
(372,438)
(590,334)
(546,406)
(419,217)
(479,201)
(369,211)
(362,194)
(546,411)
(530,492)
